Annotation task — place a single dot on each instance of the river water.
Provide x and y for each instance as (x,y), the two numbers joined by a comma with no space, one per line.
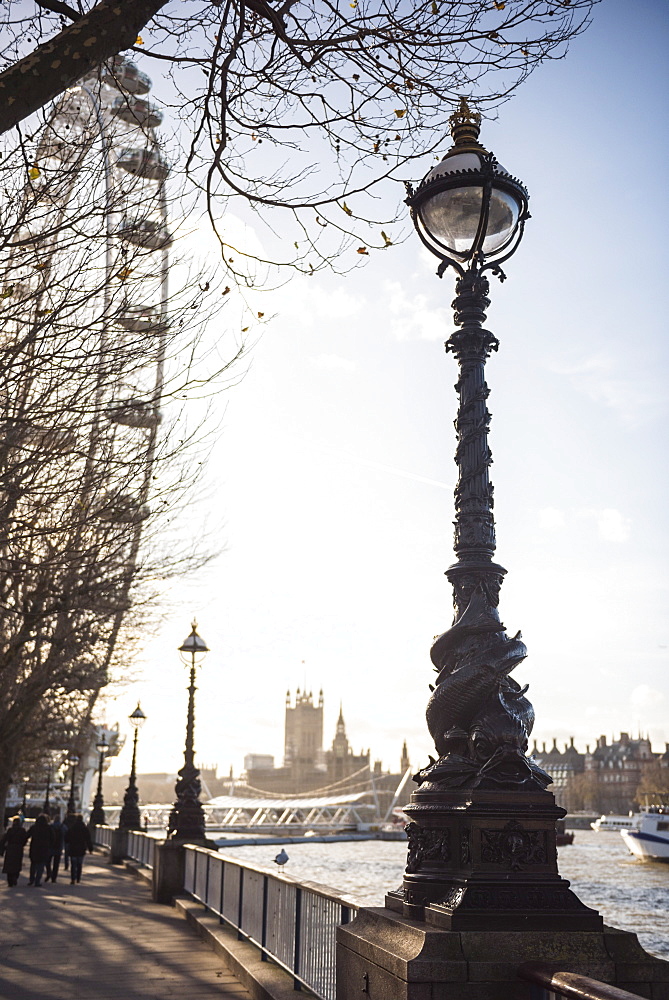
(631,895)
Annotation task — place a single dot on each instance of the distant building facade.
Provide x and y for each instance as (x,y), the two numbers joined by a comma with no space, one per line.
(306,766)
(604,780)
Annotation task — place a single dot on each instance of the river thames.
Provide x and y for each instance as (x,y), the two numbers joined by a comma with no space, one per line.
(631,895)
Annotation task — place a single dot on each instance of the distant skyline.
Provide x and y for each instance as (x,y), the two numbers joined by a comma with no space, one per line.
(329,491)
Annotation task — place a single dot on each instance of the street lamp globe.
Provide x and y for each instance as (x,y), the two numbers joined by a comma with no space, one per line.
(469,209)
(137,718)
(193,649)
(102,746)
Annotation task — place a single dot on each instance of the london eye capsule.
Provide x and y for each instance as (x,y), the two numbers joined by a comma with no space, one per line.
(134,413)
(122,508)
(147,233)
(146,163)
(123,74)
(137,111)
(141,319)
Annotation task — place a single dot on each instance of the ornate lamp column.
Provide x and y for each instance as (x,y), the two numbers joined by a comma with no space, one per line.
(97,817)
(72,760)
(26,780)
(482,851)
(187,817)
(129,818)
(48,789)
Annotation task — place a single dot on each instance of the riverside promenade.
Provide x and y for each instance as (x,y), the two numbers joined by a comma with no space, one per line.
(103,939)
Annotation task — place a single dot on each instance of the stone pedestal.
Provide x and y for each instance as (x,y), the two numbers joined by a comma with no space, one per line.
(482,859)
(119,847)
(385,956)
(168,871)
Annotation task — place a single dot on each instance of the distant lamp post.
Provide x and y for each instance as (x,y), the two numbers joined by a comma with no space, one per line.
(187,816)
(130,818)
(48,789)
(482,853)
(72,760)
(25,793)
(97,817)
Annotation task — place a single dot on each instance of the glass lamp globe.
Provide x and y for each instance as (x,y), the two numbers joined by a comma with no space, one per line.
(102,746)
(468,207)
(193,649)
(137,718)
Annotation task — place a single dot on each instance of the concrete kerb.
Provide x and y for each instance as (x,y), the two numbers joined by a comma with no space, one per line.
(263,980)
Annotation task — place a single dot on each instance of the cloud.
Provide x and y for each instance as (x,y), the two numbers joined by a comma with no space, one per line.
(646,697)
(635,402)
(334,362)
(612,525)
(302,300)
(552,519)
(412,318)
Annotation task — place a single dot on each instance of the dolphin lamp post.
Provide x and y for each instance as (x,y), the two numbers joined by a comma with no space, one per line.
(97,817)
(187,817)
(129,818)
(482,852)
(72,760)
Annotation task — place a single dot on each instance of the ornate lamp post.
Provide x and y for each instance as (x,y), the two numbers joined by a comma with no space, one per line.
(25,780)
(97,817)
(48,789)
(482,825)
(187,817)
(129,818)
(72,760)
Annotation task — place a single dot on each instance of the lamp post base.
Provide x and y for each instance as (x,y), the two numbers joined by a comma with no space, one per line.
(486,860)
(384,955)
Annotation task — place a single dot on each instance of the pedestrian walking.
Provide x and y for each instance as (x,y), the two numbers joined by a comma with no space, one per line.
(77,841)
(53,864)
(11,846)
(41,844)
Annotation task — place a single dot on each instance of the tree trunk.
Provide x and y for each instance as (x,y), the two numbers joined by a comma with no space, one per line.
(107,29)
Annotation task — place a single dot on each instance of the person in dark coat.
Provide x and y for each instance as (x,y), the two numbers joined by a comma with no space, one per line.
(53,864)
(41,844)
(11,846)
(77,841)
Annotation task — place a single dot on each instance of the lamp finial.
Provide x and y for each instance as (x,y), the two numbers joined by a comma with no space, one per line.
(465,125)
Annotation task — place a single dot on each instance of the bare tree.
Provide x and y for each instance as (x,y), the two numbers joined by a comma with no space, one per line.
(269,93)
(93,347)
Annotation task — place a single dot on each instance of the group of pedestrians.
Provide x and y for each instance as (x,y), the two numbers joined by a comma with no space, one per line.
(48,839)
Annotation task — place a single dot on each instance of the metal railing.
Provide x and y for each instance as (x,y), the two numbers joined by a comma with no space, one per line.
(103,836)
(141,847)
(293,923)
(549,984)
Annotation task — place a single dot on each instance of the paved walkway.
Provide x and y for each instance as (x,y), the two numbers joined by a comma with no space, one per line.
(102,940)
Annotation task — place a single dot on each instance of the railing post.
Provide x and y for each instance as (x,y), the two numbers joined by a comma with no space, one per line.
(298,927)
(206,881)
(240,903)
(220,906)
(265,895)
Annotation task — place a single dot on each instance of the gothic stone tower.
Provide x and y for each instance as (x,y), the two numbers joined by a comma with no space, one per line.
(303,734)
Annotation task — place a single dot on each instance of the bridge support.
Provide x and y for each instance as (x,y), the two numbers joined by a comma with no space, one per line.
(382,955)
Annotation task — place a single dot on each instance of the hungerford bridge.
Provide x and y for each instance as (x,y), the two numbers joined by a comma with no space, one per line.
(323,814)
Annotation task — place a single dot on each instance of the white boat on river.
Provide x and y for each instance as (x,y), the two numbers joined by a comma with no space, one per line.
(649,838)
(615,824)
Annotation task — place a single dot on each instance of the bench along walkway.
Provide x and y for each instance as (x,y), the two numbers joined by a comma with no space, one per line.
(102,940)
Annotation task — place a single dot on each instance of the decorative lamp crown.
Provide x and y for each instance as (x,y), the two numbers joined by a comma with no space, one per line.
(465,125)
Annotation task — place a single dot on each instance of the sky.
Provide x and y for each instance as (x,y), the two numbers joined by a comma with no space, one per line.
(329,488)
